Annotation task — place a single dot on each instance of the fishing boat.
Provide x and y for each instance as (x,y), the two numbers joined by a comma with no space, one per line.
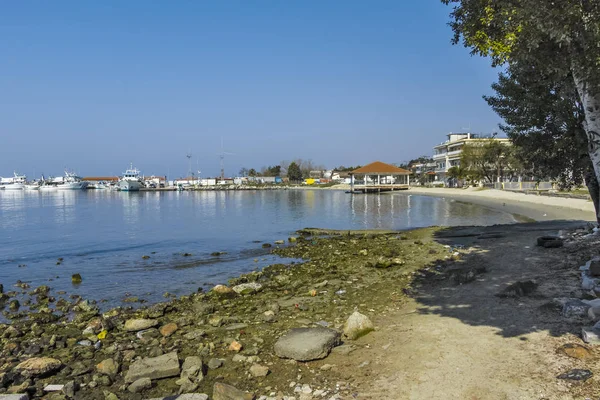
(69,182)
(130,181)
(32,186)
(15,183)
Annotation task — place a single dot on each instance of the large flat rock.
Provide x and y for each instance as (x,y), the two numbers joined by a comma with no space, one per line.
(222,391)
(38,366)
(164,366)
(305,344)
(185,396)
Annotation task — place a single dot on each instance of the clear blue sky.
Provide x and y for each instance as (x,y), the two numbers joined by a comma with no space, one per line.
(96,85)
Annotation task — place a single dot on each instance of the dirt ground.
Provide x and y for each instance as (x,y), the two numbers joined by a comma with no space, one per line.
(452,341)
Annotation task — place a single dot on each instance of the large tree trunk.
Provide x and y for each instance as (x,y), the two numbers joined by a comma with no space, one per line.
(592,184)
(590,99)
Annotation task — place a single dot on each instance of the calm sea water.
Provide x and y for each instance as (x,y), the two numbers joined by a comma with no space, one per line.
(103,234)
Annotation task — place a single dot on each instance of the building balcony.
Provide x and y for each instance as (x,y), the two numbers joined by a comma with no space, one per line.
(439,156)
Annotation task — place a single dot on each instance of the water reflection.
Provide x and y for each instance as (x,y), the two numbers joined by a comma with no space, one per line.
(103,234)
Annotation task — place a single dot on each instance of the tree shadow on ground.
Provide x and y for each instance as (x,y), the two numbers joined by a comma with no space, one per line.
(509,254)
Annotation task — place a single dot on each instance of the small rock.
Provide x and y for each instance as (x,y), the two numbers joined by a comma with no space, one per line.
(215,363)
(222,391)
(140,385)
(145,257)
(192,369)
(590,335)
(269,316)
(235,346)
(108,367)
(357,325)
(76,278)
(575,350)
(257,370)
(239,358)
(280,242)
(69,389)
(575,308)
(594,268)
(168,329)
(223,290)
(576,375)
(247,288)
(134,325)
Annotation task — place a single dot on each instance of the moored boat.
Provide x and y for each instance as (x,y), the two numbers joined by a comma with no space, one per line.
(131,180)
(15,183)
(69,182)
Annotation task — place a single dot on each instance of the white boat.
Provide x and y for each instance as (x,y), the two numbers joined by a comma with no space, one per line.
(69,182)
(32,186)
(15,183)
(47,187)
(130,181)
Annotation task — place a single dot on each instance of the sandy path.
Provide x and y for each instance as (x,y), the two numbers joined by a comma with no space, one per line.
(463,342)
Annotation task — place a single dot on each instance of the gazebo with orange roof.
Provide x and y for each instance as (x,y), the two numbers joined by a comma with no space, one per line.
(379,176)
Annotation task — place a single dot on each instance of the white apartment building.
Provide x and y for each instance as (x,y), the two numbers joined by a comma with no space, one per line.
(447,154)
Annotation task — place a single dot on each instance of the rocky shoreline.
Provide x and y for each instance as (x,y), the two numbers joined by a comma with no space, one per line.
(236,341)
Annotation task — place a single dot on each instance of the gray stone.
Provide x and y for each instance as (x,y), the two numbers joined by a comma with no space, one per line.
(590,335)
(192,369)
(344,349)
(14,397)
(186,396)
(215,363)
(203,308)
(235,327)
(305,344)
(186,385)
(594,268)
(108,367)
(257,370)
(357,325)
(222,391)
(575,308)
(69,389)
(588,282)
(247,288)
(164,366)
(139,385)
(134,325)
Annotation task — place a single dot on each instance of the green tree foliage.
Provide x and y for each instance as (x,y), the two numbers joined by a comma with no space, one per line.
(558,38)
(252,172)
(455,172)
(274,170)
(487,160)
(294,173)
(545,120)
(244,171)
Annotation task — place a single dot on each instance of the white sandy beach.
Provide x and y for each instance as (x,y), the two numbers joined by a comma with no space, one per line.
(539,208)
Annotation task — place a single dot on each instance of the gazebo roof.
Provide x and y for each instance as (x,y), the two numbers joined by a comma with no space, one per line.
(379,167)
